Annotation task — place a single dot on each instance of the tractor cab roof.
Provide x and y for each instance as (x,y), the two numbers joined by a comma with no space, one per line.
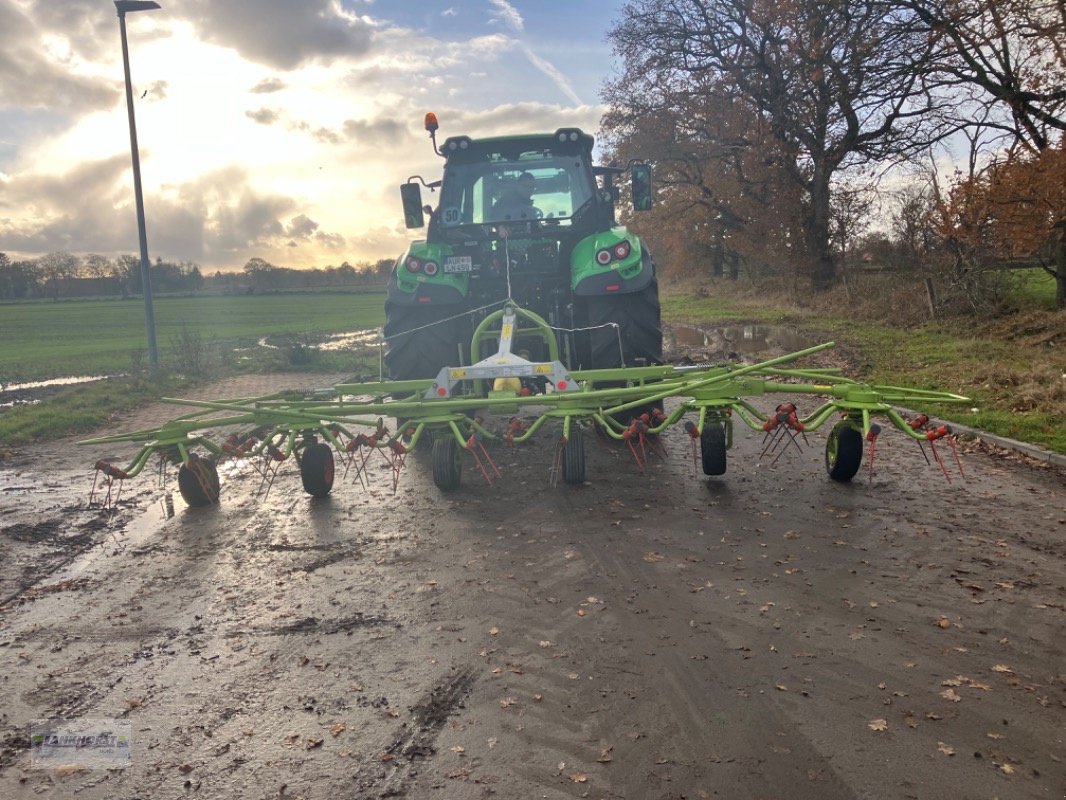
(511,148)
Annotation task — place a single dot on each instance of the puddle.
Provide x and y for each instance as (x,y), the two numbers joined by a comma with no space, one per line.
(30,392)
(349,340)
(370,337)
(731,341)
(68,381)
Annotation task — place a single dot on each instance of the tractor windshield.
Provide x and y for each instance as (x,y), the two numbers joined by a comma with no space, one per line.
(537,185)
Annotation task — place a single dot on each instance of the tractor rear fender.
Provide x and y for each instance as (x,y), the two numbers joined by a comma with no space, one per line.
(614,261)
(419,277)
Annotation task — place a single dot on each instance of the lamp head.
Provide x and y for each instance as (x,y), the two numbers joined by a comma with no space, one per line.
(124,6)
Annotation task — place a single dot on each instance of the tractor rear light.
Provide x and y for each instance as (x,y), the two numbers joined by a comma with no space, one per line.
(430,268)
(613,287)
(603,257)
(413,264)
(424,299)
(621,250)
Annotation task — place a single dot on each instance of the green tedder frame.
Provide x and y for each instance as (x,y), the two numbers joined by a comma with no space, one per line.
(447,415)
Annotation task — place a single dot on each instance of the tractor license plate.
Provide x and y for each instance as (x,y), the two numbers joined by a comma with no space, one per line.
(458,264)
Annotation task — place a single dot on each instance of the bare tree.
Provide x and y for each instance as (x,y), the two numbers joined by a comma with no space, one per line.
(836,83)
(1005,56)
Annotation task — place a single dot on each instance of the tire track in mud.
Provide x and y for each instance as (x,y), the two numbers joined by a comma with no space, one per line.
(419,738)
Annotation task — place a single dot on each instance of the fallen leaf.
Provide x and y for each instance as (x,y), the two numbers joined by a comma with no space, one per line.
(337,729)
(781,687)
(311,744)
(537,698)
(653,556)
(950,694)
(943,622)
(507,702)
(579,777)
(546,643)
(459,750)
(1003,668)
(494,631)
(946,749)
(878,725)
(605,755)
(994,735)
(492,742)
(581,612)
(1006,769)
(933,716)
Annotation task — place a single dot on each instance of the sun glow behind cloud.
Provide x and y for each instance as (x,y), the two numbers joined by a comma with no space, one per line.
(294,158)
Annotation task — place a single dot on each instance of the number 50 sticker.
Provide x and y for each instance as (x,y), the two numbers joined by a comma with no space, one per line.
(450,216)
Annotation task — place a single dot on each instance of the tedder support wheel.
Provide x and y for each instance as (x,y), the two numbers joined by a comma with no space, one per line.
(574,457)
(712,448)
(316,469)
(843,452)
(447,463)
(198,482)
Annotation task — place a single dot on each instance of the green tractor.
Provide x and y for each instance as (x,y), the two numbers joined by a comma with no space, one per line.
(528,219)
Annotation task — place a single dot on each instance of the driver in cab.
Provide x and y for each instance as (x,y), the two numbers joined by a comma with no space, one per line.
(515,204)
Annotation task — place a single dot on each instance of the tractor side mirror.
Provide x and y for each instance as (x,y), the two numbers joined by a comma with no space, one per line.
(641,187)
(411,197)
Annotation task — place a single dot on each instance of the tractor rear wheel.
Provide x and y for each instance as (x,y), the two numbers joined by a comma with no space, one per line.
(843,452)
(447,463)
(712,448)
(422,339)
(638,317)
(316,469)
(574,457)
(198,482)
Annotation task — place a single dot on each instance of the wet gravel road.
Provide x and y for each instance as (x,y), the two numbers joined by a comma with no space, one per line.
(768,634)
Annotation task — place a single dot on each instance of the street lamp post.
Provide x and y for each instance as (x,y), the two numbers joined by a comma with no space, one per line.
(124,6)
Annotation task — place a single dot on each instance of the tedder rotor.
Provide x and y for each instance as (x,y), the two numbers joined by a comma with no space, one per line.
(462,412)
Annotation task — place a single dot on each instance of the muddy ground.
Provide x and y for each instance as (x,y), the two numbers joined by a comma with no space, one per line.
(767,634)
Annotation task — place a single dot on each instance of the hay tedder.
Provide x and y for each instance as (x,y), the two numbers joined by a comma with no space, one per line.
(465,413)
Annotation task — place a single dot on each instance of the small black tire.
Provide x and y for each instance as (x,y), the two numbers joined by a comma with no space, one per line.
(843,452)
(447,463)
(198,482)
(317,469)
(574,458)
(713,449)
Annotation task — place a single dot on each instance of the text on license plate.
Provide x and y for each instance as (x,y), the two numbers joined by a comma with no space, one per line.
(458,264)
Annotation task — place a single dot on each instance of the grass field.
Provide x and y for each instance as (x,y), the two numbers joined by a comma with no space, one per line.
(103,337)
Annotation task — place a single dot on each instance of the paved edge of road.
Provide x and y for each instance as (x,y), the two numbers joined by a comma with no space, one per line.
(1031,450)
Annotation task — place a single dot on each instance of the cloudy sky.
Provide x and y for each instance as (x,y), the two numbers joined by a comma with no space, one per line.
(269,128)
